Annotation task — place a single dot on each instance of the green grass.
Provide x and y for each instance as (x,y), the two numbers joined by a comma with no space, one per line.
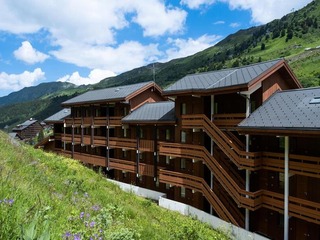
(45,196)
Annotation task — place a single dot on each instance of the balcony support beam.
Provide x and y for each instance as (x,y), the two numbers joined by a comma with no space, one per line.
(247,212)
(286,188)
(138,151)
(155,153)
(211,146)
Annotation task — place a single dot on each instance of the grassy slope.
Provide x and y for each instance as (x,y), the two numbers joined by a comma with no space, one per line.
(54,195)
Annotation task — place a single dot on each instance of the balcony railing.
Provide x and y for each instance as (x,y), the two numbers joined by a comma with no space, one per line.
(228,120)
(127,143)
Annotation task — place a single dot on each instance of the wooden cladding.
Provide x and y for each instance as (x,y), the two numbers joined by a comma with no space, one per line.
(299,208)
(228,120)
(299,164)
(96,121)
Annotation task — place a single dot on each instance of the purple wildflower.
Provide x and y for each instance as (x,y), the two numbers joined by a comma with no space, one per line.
(67,234)
(81,215)
(95,208)
(76,237)
(10,202)
(92,224)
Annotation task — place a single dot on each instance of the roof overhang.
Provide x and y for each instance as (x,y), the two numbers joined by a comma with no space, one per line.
(149,122)
(279,131)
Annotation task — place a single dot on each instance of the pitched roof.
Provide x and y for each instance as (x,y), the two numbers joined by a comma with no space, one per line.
(156,112)
(107,94)
(222,78)
(24,125)
(287,110)
(59,116)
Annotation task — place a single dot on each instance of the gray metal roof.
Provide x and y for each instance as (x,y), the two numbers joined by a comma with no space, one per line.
(152,112)
(107,94)
(221,78)
(292,109)
(59,116)
(24,125)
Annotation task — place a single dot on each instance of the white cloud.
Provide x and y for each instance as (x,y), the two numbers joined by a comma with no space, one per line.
(89,21)
(16,82)
(261,11)
(195,4)
(219,22)
(186,47)
(156,19)
(234,25)
(126,56)
(28,54)
(95,76)
(266,11)
(84,32)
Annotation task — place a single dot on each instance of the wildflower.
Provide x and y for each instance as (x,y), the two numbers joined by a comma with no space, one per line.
(76,237)
(81,215)
(67,234)
(88,215)
(95,208)
(92,224)
(10,202)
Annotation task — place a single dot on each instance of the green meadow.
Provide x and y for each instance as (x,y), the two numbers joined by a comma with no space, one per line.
(46,196)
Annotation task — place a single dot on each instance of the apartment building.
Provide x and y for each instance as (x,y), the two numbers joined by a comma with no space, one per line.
(236,143)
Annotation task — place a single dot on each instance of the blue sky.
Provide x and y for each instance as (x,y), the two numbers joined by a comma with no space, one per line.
(84,41)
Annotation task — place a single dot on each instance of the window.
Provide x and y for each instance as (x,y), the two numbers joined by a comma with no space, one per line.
(125,112)
(158,133)
(124,153)
(141,156)
(183,163)
(281,142)
(167,160)
(315,100)
(183,136)
(253,106)
(125,132)
(168,135)
(183,108)
(141,133)
(157,183)
(124,174)
(182,192)
(167,186)
(281,180)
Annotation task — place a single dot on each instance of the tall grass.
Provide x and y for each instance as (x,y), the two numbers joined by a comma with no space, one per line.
(45,196)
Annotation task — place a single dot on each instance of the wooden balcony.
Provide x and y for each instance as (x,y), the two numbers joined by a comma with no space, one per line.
(68,138)
(127,143)
(86,139)
(86,121)
(90,159)
(99,141)
(100,121)
(146,145)
(68,121)
(302,209)
(115,121)
(228,120)
(122,165)
(57,136)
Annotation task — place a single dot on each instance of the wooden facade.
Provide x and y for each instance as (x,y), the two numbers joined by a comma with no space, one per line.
(28,130)
(201,159)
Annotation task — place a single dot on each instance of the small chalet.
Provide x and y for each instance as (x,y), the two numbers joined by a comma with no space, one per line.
(28,130)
